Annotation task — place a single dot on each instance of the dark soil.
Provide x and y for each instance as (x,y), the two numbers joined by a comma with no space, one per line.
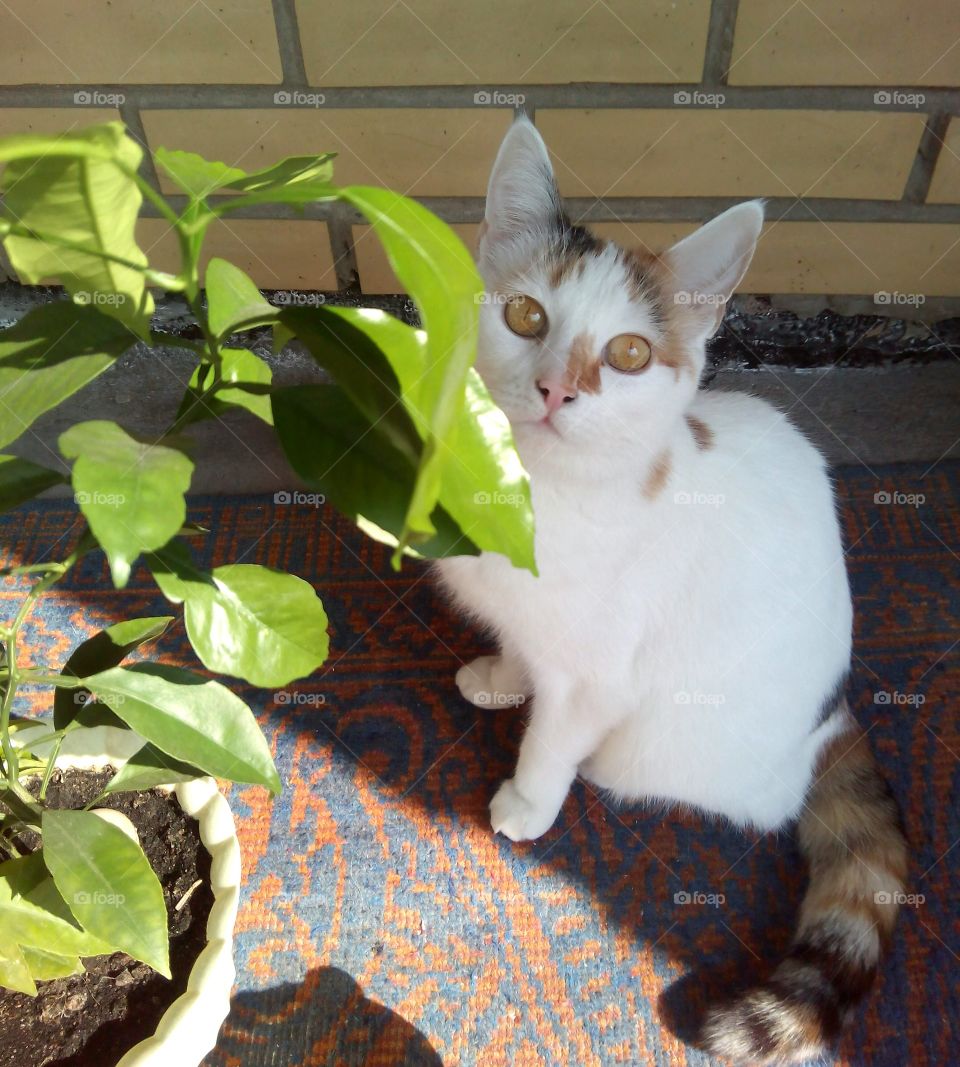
(92,1019)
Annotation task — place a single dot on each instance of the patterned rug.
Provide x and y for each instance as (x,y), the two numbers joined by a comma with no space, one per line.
(381,922)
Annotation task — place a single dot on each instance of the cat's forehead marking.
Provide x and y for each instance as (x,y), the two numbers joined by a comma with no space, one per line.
(583,364)
(570,253)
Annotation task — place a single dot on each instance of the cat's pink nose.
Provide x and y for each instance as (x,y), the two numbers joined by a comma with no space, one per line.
(555,393)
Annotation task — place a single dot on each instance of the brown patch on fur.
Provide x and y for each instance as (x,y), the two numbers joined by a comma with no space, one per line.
(702,433)
(583,366)
(643,275)
(657,476)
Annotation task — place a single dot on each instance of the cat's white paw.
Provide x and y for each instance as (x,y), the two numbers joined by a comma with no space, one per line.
(515,817)
(478,682)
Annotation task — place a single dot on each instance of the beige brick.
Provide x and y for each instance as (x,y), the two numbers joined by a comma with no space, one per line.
(14,120)
(792,257)
(276,254)
(945,187)
(723,152)
(835,257)
(99,41)
(883,43)
(432,42)
(423,153)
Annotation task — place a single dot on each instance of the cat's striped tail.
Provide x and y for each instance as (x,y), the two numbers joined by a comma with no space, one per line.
(851,833)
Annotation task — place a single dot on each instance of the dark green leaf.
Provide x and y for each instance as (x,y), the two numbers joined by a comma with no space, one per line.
(108,884)
(149,768)
(105,649)
(21,480)
(48,355)
(334,448)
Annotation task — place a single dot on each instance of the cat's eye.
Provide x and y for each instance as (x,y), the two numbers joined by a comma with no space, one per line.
(628,352)
(525,316)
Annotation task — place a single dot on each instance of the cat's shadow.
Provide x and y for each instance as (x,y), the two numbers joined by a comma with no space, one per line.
(326,1018)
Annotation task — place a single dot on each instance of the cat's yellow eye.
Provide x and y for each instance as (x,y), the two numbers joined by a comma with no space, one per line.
(628,352)
(525,316)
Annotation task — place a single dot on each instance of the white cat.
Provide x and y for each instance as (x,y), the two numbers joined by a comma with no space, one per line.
(689,633)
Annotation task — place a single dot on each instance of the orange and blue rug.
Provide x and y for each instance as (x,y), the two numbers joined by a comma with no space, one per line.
(382,924)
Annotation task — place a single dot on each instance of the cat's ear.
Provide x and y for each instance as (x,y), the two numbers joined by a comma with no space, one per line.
(706,267)
(522,195)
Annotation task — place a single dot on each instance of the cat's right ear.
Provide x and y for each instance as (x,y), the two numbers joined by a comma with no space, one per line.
(522,195)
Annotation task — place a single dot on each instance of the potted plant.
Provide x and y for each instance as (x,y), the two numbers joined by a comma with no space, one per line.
(404,439)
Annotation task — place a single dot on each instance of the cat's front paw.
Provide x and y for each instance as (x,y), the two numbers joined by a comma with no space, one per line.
(512,815)
(482,681)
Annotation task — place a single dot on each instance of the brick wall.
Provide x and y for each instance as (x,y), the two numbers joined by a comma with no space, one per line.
(847,118)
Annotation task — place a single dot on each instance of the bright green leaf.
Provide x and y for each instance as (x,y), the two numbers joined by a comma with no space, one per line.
(90,199)
(246,620)
(45,966)
(246,384)
(197,176)
(33,912)
(148,768)
(289,173)
(108,884)
(233,300)
(131,493)
(21,480)
(189,718)
(105,649)
(439,274)
(48,355)
(14,970)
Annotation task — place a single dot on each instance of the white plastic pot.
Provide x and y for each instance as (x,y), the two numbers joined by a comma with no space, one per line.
(188,1029)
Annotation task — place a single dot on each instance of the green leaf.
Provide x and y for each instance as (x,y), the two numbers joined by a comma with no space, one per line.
(289,173)
(149,768)
(197,176)
(45,966)
(33,912)
(246,384)
(189,718)
(131,493)
(48,355)
(340,340)
(90,198)
(245,620)
(105,649)
(233,300)
(333,447)
(108,884)
(14,971)
(438,273)
(21,480)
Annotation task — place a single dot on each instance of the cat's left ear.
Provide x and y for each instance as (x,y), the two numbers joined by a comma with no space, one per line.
(522,195)
(706,267)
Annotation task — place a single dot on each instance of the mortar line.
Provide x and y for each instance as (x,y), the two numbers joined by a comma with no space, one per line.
(719,48)
(928,153)
(288,43)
